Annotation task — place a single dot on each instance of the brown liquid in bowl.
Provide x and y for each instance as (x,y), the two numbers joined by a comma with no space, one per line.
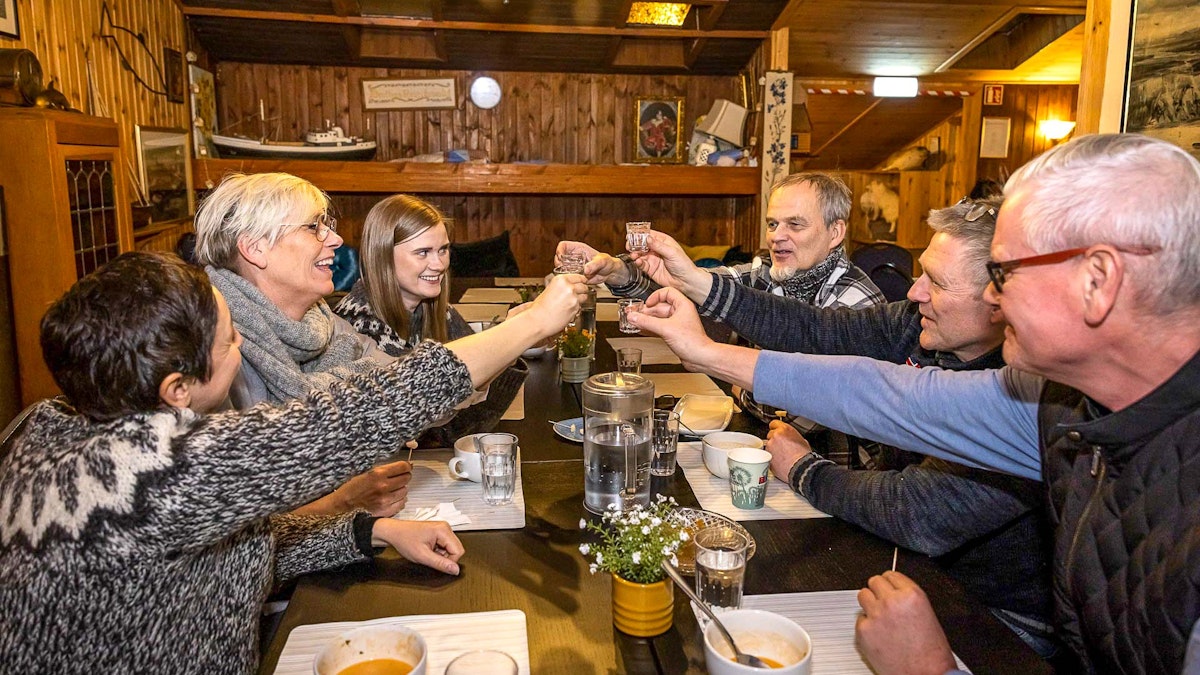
(377,667)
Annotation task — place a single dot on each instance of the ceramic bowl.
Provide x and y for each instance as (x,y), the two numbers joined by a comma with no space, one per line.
(763,634)
(367,643)
(534,352)
(716,447)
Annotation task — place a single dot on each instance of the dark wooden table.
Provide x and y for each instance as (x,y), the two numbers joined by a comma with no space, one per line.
(540,571)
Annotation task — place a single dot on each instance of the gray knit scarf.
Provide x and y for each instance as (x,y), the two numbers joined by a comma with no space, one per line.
(292,357)
(805,285)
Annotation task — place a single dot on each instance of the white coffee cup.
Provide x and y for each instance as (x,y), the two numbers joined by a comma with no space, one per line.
(466,460)
(372,642)
(764,634)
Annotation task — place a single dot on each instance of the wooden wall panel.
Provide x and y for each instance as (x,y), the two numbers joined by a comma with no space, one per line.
(1025,105)
(536,224)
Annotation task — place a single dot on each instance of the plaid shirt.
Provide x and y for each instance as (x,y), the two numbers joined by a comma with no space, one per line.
(846,286)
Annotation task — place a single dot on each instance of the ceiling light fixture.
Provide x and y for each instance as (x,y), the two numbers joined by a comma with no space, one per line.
(658,13)
(895,86)
(1055,130)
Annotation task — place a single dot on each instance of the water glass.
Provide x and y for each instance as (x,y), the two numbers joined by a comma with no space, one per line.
(665,442)
(624,306)
(498,458)
(720,566)
(629,361)
(637,237)
(482,662)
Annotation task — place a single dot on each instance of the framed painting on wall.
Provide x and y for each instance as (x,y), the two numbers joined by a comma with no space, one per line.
(8,19)
(1162,92)
(165,172)
(430,93)
(656,124)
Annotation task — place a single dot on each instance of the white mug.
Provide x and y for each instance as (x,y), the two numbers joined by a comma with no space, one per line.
(466,460)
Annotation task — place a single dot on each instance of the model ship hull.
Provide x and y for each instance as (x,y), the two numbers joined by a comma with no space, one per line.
(232,147)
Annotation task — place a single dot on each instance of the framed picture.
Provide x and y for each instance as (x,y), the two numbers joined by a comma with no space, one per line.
(1162,93)
(204,111)
(429,93)
(993,142)
(8,19)
(165,172)
(173,74)
(656,124)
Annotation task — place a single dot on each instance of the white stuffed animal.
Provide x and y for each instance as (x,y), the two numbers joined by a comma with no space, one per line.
(881,202)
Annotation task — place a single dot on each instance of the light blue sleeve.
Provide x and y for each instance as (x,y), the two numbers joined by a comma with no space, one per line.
(985,418)
(1191,658)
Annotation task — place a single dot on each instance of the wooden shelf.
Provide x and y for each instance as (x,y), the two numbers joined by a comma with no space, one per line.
(496,178)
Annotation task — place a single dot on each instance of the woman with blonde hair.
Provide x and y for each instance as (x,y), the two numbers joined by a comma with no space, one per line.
(403,298)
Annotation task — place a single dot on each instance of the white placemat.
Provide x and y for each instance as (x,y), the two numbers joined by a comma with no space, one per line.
(432,484)
(519,281)
(473,312)
(678,384)
(828,617)
(446,636)
(516,409)
(506,295)
(607,311)
(713,493)
(654,350)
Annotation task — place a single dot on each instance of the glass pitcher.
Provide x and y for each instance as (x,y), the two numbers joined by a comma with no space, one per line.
(617,439)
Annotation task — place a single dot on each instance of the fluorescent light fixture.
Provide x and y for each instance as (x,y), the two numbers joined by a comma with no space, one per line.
(1055,130)
(895,86)
(658,13)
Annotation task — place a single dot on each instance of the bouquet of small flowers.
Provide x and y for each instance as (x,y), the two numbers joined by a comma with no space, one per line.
(633,543)
(575,342)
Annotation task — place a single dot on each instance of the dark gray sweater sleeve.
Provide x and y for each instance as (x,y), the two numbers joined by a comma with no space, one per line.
(306,543)
(783,324)
(238,466)
(928,511)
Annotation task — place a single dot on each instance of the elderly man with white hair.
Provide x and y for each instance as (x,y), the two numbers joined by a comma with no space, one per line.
(1096,267)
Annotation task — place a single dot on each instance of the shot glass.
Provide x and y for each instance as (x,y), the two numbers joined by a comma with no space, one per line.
(665,442)
(629,361)
(483,662)
(624,306)
(498,460)
(720,566)
(637,237)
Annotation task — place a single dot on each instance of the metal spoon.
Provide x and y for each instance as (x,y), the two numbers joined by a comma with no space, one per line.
(740,656)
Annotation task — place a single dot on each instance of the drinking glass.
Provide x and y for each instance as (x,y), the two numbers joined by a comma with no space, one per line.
(498,458)
(666,441)
(720,566)
(637,237)
(482,662)
(624,306)
(629,361)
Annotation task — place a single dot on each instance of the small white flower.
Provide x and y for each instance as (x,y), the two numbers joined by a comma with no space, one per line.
(675,561)
(612,507)
(656,521)
(582,524)
(645,529)
(683,535)
(592,568)
(599,558)
(585,549)
(637,557)
(666,550)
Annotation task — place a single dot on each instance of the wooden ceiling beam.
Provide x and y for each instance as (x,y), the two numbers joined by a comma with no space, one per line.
(396,22)
(351,34)
(847,127)
(991,28)
(709,16)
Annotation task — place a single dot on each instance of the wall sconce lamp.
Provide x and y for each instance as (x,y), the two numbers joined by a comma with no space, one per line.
(1055,130)
(895,86)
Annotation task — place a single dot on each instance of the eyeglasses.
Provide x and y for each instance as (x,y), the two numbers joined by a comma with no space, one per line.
(977,209)
(322,226)
(999,271)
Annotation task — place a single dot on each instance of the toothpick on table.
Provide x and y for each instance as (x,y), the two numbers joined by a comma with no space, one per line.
(895,557)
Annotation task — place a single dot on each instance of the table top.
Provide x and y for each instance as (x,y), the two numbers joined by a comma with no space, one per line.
(539,570)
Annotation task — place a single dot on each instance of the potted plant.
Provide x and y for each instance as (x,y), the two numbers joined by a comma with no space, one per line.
(632,546)
(575,350)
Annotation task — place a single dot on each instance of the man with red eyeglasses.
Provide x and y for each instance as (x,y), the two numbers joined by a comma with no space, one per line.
(1096,267)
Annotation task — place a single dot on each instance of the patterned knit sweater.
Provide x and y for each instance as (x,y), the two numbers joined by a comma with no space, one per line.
(148,543)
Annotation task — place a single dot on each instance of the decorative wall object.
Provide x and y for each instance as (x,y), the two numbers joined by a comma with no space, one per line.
(657,135)
(8,19)
(994,137)
(1163,91)
(409,94)
(777,133)
(165,172)
(173,76)
(204,110)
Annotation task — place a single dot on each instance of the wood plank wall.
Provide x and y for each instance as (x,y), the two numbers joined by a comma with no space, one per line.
(573,118)
(64,36)
(1025,105)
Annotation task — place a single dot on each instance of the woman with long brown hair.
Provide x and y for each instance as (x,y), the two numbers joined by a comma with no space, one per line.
(403,298)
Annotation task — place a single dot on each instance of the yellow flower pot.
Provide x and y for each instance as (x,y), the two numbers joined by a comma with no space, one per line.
(642,610)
